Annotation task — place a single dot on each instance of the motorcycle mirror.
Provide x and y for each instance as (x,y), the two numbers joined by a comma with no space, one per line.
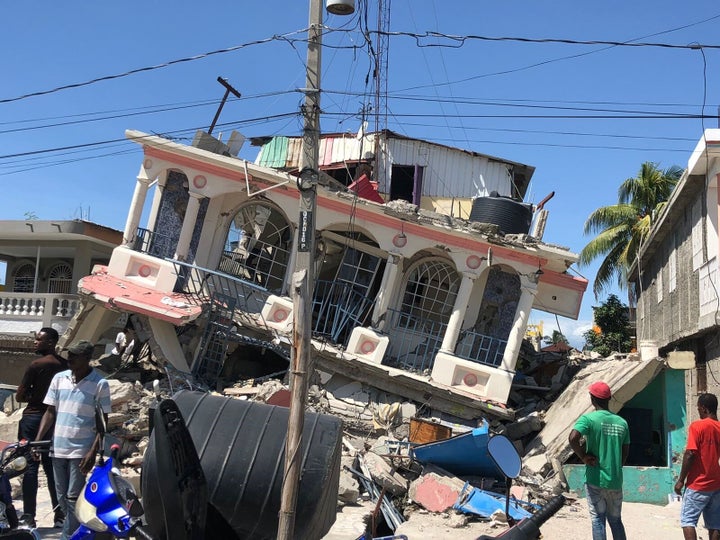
(505,455)
(100,425)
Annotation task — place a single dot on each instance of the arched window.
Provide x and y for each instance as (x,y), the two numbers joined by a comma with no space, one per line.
(24,278)
(60,279)
(418,325)
(257,247)
(430,290)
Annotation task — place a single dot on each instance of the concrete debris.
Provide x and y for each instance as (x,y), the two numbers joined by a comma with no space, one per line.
(383,473)
(435,490)
(548,394)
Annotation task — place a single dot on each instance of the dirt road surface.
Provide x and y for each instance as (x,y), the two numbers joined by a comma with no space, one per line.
(642,521)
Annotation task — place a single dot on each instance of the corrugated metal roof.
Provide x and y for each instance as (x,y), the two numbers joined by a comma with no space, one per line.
(449,171)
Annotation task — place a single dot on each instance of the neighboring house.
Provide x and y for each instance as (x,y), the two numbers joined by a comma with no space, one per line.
(676,276)
(675,281)
(414,302)
(44,260)
(650,397)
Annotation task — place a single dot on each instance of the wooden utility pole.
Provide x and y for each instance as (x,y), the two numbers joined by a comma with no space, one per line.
(303,280)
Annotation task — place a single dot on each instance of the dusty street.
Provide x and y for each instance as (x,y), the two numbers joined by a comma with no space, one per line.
(642,521)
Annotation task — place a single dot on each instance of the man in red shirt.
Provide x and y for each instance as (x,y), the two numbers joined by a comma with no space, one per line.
(32,390)
(700,472)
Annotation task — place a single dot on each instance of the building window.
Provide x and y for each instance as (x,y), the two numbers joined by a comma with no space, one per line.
(60,279)
(24,279)
(257,247)
(431,290)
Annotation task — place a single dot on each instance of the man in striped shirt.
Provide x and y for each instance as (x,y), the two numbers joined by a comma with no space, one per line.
(71,400)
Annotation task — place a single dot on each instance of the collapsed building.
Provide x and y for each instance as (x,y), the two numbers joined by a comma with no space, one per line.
(426,275)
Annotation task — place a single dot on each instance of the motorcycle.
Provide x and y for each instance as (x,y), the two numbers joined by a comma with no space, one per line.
(109,506)
(14,461)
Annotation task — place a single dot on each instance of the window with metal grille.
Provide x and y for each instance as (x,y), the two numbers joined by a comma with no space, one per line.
(257,247)
(24,279)
(60,279)
(430,290)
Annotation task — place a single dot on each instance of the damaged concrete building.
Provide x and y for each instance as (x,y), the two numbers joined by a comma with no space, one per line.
(675,281)
(428,300)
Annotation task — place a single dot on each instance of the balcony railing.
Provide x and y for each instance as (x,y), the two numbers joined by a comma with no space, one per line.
(480,348)
(154,243)
(42,307)
(338,307)
(414,341)
(202,283)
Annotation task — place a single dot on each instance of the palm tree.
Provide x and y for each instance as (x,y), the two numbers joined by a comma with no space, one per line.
(621,228)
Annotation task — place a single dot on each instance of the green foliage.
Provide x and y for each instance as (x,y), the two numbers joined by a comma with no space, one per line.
(557,337)
(31,216)
(621,228)
(611,317)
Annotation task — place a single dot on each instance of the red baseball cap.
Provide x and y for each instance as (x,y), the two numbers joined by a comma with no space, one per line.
(600,390)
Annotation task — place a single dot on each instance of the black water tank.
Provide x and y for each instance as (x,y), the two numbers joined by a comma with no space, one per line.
(241,446)
(511,216)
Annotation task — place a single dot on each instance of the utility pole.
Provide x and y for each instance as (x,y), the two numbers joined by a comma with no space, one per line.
(303,279)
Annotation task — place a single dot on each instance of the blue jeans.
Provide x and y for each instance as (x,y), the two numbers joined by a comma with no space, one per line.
(27,429)
(605,504)
(69,481)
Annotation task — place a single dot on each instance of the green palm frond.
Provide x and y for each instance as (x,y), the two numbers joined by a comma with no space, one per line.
(622,228)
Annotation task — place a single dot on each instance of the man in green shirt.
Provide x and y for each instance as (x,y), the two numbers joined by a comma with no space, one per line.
(601,440)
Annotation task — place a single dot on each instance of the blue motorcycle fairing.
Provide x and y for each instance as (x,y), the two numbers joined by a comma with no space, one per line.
(108,494)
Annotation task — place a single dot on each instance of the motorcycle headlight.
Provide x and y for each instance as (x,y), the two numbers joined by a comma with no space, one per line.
(87,514)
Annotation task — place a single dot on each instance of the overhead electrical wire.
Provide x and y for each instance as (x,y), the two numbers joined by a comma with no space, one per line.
(288,37)
(459,40)
(97,143)
(283,37)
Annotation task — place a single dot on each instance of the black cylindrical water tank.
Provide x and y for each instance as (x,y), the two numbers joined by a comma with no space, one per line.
(241,446)
(511,216)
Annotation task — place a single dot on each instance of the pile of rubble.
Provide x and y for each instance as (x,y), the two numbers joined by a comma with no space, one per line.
(380,474)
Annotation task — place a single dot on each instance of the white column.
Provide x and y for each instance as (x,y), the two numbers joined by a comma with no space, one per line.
(37,271)
(136,208)
(390,283)
(528,288)
(188,226)
(458,314)
(81,264)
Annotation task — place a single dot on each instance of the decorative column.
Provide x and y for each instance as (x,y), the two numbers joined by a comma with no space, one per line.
(81,265)
(390,282)
(188,226)
(458,314)
(136,207)
(528,289)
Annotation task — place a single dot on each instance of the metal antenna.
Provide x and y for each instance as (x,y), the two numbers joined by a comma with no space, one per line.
(228,89)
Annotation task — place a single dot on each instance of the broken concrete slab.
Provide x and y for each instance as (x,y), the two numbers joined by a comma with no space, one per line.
(525,426)
(436,490)
(626,377)
(384,474)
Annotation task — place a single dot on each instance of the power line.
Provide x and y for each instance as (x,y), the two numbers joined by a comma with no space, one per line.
(459,40)
(284,37)
(166,134)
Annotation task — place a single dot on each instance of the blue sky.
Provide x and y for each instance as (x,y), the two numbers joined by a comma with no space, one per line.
(523,101)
